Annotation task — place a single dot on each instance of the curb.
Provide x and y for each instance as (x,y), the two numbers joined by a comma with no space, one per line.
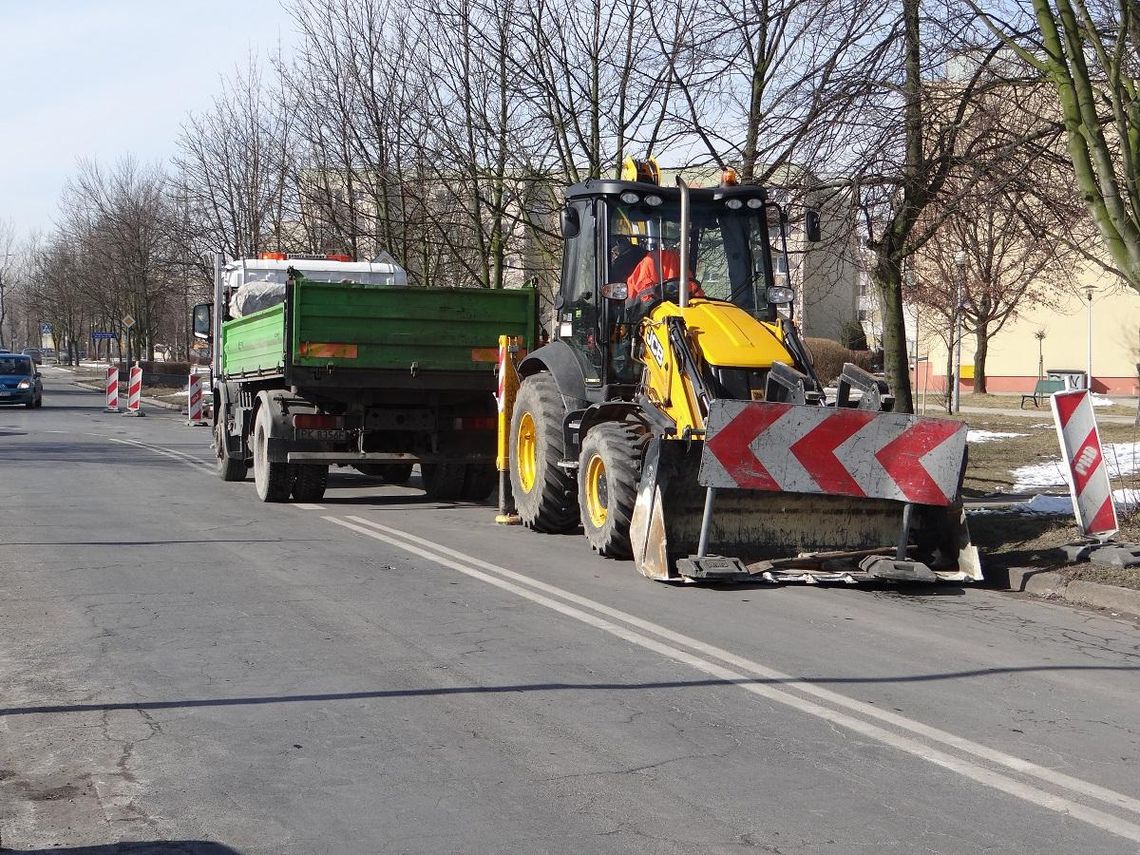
(154,402)
(1051,584)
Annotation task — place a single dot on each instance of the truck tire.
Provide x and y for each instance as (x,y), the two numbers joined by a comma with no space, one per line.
(443,481)
(545,494)
(228,468)
(274,480)
(479,481)
(310,483)
(609,471)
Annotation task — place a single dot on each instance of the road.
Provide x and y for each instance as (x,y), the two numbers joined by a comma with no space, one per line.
(380,673)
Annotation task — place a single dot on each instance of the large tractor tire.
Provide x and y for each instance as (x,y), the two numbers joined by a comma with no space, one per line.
(479,481)
(390,473)
(273,480)
(310,482)
(609,470)
(545,494)
(443,482)
(228,468)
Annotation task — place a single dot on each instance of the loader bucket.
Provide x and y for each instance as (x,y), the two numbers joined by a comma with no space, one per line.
(849,528)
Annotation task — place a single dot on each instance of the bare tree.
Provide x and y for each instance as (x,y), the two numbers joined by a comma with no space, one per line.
(1088,52)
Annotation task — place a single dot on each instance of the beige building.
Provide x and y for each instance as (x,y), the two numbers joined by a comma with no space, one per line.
(1016,355)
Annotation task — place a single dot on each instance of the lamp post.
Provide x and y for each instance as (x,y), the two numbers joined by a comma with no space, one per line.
(1088,367)
(1040,336)
(956,396)
(911,279)
(3,314)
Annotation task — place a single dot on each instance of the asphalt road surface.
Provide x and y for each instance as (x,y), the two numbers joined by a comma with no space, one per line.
(186,668)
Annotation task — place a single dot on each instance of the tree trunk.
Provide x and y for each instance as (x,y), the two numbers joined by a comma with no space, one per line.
(982,337)
(896,363)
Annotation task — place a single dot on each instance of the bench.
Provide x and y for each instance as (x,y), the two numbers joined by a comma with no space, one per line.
(1043,389)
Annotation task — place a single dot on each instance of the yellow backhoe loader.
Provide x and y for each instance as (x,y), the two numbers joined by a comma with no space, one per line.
(676,417)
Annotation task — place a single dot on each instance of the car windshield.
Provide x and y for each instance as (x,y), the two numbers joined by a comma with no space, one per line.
(18,366)
(729,248)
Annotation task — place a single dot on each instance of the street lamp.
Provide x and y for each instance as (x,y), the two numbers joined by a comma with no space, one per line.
(3,314)
(1040,336)
(1088,375)
(956,397)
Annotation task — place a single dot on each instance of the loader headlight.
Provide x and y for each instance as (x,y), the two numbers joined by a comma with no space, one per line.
(653,200)
(734,204)
(780,294)
(630,198)
(755,203)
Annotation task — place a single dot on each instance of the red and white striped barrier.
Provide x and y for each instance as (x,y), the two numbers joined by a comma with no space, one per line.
(134,392)
(835,451)
(1088,474)
(194,415)
(111,383)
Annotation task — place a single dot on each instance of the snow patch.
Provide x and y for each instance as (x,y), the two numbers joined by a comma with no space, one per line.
(1123,458)
(973,435)
(1125,500)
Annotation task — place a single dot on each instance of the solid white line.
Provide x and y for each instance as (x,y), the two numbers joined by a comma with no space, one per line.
(308,506)
(158,449)
(979,751)
(980,774)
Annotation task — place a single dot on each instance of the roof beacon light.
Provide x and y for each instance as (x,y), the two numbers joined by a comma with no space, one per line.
(273,256)
(728,177)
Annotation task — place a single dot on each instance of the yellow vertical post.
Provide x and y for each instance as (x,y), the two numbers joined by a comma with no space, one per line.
(508,386)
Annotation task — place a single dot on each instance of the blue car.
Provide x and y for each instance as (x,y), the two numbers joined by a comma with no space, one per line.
(20,382)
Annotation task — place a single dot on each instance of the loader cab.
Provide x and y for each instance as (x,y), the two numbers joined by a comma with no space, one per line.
(617,231)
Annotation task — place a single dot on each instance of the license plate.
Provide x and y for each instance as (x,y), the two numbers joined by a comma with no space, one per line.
(323,434)
(4,394)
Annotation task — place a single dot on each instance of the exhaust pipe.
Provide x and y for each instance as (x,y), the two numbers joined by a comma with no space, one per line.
(683,285)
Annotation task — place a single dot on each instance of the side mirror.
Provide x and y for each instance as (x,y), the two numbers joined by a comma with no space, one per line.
(570,225)
(203,320)
(616,291)
(811,226)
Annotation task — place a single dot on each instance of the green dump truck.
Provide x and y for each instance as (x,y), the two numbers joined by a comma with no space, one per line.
(321,362)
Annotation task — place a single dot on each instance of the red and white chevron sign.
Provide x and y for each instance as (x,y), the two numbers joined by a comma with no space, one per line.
(1088,474)
(845,452)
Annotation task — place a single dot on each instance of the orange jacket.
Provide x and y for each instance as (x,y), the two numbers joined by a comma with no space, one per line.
(642,282)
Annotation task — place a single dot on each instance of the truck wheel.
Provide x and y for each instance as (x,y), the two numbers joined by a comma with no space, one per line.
(479,481)
(273,480)
(228,468)
(609,470)
(443,481)
(544,493)
(309,483)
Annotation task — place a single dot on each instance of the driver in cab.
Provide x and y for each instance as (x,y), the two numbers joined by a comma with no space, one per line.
(655,268)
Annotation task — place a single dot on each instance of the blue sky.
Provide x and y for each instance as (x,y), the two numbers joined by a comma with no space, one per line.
(101,78)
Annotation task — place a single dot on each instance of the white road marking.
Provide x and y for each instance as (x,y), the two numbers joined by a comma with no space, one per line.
(756,669)
(528,588)
(308,506)
(198,464)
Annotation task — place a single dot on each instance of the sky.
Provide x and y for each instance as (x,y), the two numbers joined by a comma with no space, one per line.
(104,78)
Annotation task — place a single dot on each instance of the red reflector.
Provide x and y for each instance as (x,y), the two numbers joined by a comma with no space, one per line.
(318,421)
(476,423)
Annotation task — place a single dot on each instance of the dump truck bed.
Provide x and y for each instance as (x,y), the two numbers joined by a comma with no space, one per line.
(347,329)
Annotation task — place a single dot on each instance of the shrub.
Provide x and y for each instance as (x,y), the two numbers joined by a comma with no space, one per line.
(829,356)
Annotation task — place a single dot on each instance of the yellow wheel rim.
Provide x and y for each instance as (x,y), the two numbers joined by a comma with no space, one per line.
(597,491)
(526,452)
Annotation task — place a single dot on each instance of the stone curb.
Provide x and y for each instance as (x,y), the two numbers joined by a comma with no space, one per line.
(153,402)
(1053,585)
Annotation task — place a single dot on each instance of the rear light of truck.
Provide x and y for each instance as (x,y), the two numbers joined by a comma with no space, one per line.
(476,423)
(317,421)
